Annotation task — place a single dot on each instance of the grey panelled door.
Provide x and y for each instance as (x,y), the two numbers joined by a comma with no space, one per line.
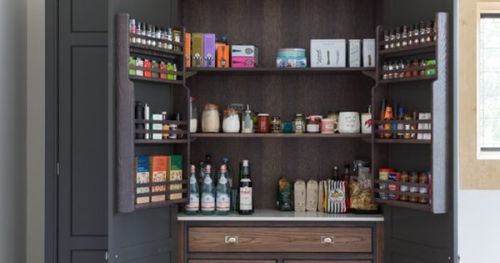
(145,236)
(82,127)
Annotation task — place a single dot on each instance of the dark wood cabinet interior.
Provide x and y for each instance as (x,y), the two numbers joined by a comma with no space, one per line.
(411,233)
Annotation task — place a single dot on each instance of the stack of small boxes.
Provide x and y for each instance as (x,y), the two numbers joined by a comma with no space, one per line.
(152,175)
(202,50)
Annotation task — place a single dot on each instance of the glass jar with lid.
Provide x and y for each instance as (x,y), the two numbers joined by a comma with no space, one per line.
(231,122)
(210,120)
(263,123)
(299,123)
(313,124)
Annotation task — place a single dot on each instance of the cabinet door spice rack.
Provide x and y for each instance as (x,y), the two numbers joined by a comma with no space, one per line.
(129,144)
(427,93)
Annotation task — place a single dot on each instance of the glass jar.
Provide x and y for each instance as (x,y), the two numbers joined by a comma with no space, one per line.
(392,38)
(404,188)
(386,39)
(422,32)
(404,36)
(193,124)
(299,123)
(231,122)
(210,120)
(410,35)
(263,123)
(276,124)
(398,37)
(414,189)
(313,124)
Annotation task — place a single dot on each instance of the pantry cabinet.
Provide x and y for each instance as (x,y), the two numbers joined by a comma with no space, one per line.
(161,232)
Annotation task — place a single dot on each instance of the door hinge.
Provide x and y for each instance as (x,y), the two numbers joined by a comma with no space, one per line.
(58,169)
(106,256)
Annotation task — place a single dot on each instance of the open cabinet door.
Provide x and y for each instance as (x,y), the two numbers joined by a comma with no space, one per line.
(145,235)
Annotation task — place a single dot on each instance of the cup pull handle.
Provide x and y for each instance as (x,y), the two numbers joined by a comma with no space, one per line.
(231,239)
(327,240)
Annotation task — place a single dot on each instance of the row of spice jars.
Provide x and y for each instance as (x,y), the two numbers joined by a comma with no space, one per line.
(402,182)
(408,35)
(401,69)
(156,126)
(153,36)
(152,68)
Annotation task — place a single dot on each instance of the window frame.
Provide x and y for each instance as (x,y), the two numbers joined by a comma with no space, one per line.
(483,10)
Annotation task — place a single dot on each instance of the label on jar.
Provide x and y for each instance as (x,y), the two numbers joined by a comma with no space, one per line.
(246,198)
(404,188)
(223,202)
(312,128)
(194,203)
(414,189)
(207,202)
(423,190)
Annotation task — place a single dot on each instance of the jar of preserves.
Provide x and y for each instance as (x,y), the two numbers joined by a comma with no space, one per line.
(276,124)
(313,124)
(263,123)
(231,122)
(299,123)
(210,120)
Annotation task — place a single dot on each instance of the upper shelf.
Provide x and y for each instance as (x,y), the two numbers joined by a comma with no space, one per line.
(370,72)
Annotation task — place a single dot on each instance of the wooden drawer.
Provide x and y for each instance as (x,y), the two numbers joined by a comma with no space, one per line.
(328,261)
(280,239)
(229,261)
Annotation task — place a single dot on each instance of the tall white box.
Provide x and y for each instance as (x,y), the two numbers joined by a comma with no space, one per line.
(354,53)
(369,53)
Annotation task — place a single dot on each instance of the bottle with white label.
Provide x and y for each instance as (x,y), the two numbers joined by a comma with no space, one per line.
(207,192)
(246,190)
(193,207)
(223,202)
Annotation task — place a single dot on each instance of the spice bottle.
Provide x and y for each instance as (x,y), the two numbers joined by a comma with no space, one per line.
(416,34)
(392,38)
(388,115)
(405,177)
(165,127)
(413,189)
(386,39)
(422,32)
(404,36)
(410,35)
(398,37)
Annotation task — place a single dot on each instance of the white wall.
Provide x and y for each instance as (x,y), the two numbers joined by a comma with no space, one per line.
(35,136)
(12,131)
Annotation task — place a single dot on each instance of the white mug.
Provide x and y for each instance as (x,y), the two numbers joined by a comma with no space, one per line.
(349,122)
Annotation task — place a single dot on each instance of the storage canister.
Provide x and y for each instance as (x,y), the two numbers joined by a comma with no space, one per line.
(210,118)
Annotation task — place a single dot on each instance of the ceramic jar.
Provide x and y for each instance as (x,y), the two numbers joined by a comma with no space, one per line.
(210,120)
(349,122)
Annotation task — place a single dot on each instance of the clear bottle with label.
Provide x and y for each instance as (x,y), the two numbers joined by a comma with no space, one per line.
(246,121)
(246,190)
(208,192)
(223,202)
(193,207)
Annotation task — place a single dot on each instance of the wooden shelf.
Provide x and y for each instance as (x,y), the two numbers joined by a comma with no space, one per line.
(160,142)
(270,70)
(421,78)
(402,141)
(404,204)
(161,53)
(278,135)
(156,80)
(161,204)
(427,48)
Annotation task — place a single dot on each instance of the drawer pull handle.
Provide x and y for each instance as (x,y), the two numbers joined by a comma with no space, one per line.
(327,240)
(231,239)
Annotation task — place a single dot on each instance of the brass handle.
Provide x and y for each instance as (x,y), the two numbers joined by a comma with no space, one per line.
(327,240)
(231,239)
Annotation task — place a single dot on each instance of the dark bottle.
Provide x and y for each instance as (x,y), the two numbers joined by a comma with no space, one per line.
(208,192)
(193,207)
(246,190)
(347,180)
(223,202)
(336,174)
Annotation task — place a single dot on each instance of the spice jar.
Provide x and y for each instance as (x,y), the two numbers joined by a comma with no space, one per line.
(386,39)
(423,179)
(263,123)
(313,124)
(398,38)
(405,177)
(404,36)
(414,189)
(410,35)
(422,32)
(392,38)
(231,122)
(275,124)
(210,120)
(299,123)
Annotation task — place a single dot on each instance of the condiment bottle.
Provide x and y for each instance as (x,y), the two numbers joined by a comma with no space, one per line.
(413,189)
(147,65)
(246,121)
(398,37)
(410,35)
(416,34)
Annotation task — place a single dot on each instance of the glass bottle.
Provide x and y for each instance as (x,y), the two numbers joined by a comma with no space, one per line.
(347,179)
(193,207)
(223,203)
(246,190)
(404,36)
(299,123)
(392,38)
(410,35)
(386,39)
(398,37)
(208,192)
(388,117)
(246,121)
(422,32)
(416,34)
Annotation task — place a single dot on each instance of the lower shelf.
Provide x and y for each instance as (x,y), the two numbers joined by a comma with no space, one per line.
(422,207)
(161,204)
(276,215)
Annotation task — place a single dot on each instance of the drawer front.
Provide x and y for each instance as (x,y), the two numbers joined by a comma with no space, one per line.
(328,261)
(230,261)
(280,239)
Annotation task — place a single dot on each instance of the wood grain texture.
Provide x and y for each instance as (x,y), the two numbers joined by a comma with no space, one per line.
(287,239)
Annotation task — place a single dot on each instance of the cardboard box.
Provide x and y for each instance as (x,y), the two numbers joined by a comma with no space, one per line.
(245,51)
(158,167)
(175,174)
(157,126)
(354,53)
(209,50)
(197,50)
(369,53)
(187,48)
(243,62)
(222,55)
(328,53)
(142,176)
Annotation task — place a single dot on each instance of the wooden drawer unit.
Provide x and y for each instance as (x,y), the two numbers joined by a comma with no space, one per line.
(280,239)
(230,261)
